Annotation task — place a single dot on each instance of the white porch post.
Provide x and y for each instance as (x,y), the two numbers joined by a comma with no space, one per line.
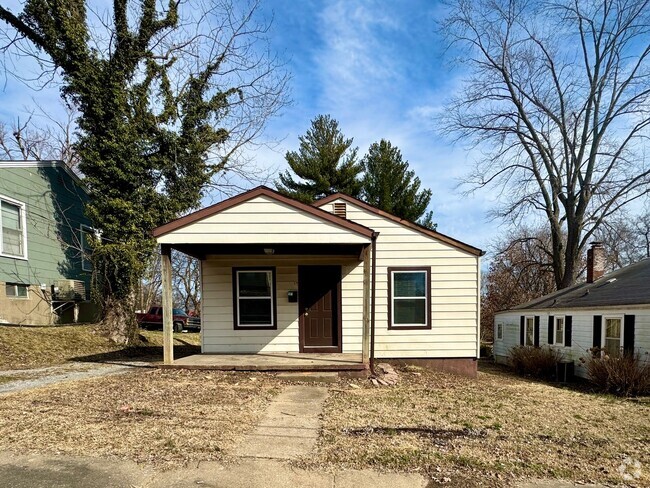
(365,338)
(167,304)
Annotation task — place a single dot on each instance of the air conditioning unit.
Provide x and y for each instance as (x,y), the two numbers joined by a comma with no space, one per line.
(69,290)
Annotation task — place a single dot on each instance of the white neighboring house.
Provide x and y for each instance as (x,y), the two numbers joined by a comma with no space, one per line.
(610,311)
(340,277)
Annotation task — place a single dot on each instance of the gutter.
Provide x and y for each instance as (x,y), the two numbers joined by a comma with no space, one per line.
(373,280)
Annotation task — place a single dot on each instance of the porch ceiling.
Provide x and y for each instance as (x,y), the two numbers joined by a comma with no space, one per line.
(200,251)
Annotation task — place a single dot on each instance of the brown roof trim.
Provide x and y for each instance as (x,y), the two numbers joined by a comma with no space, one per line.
(256,192)
(406,223)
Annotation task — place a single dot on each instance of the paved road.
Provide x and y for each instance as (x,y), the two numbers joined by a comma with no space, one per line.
(40,471)
(74,472)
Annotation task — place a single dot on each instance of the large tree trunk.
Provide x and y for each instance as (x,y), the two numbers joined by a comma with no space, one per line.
(119,320)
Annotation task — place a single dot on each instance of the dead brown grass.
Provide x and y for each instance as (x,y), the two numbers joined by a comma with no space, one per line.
(483,432)
(163,418)
(32,347)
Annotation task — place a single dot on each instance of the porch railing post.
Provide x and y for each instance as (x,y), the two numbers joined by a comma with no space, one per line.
(167,304)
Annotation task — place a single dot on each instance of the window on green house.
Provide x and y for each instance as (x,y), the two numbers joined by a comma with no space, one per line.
(12,228)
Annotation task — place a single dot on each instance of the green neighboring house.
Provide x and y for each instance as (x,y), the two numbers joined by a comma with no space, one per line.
(44,267)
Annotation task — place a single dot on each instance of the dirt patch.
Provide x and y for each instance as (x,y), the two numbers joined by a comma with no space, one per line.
(33,347)
(490,431)
(163,418)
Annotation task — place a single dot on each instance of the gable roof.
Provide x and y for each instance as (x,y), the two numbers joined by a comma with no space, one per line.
(272,194)
(625,286)
(406,223)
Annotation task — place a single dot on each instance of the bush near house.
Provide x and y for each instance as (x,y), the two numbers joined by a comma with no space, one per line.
(620,374)
(539,362)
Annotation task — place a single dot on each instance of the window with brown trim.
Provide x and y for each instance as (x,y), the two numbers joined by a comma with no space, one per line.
(409,298)
(254,298)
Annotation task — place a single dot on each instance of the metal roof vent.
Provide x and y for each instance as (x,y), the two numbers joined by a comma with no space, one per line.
(340,210)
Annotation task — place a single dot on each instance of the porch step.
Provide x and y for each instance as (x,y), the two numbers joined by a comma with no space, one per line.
(309,377)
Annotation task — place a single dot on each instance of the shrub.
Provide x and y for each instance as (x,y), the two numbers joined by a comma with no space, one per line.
(620,374)
(535,361)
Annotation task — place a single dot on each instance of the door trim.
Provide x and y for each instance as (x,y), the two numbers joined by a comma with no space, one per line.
(338,315)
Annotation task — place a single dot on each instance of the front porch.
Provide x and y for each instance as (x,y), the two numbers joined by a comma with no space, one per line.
(271,362)
(284,285)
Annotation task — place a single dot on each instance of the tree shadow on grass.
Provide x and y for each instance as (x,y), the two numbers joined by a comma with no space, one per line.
(141,353)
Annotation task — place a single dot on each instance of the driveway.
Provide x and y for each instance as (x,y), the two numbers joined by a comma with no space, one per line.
(24,379)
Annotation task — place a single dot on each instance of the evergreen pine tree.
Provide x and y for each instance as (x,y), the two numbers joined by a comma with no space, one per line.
(389,185)
(325,163)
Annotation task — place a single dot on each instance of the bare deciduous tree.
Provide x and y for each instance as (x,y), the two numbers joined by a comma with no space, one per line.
(522,270)
(150,292)
(626,239)
(186,281)
(40,136)
(558,100)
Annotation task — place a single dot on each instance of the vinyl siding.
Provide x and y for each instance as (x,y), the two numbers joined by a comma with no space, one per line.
(54,213)
(582,331)
(219,335)
(454,291)
(262,220)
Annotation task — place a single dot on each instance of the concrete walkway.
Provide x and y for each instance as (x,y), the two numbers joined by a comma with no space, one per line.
(290,426)
(34,378)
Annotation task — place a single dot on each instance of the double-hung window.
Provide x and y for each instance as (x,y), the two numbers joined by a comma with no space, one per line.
(613,342)
(559,331)
(13,237)
(254,298)
(499,332)
(409,301)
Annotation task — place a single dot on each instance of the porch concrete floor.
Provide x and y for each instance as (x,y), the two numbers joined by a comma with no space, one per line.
(271,362)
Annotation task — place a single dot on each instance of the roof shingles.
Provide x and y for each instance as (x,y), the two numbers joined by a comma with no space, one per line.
(626,286)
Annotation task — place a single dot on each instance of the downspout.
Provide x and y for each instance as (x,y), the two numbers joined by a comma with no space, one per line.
(373,279)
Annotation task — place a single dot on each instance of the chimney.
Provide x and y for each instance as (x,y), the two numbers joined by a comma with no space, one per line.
(595,262)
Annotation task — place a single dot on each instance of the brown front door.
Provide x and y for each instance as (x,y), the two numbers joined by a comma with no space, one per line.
(319,301)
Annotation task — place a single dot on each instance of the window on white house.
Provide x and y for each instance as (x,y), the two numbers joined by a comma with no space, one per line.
(254,291)
(530,331)
(16,290)
(613,342)
(410,295)
(86,251)
(499,331)
(12,229)
(559,331)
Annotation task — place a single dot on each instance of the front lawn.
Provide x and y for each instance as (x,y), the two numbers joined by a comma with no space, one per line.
(160,417)
(484,432)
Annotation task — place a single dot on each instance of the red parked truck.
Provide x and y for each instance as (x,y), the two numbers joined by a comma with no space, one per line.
(153,319)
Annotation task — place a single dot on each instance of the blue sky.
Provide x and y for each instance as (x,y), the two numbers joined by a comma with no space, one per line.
(378,68)
(375,66)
